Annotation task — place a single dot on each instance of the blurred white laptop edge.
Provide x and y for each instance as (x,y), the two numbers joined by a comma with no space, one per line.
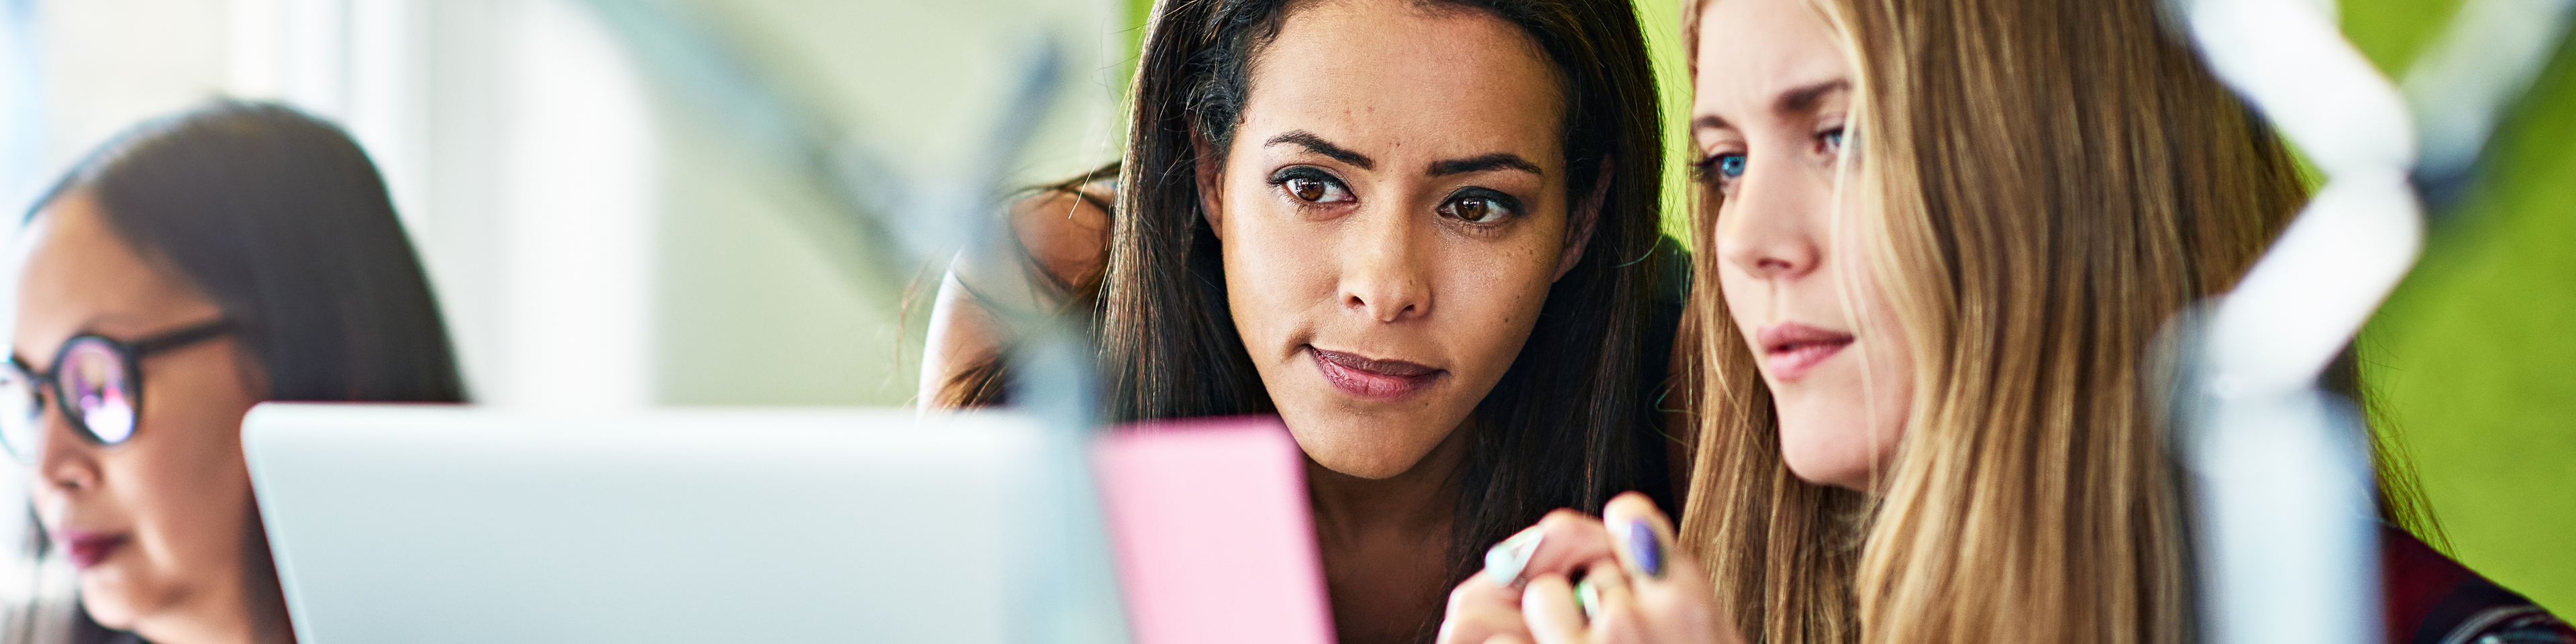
(432,523)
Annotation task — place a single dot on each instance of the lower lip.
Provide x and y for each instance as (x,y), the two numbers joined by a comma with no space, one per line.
(1369,384)
(91,551)
(1790,365)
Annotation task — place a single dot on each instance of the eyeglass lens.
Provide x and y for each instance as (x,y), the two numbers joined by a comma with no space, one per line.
(96,393)
(19,409)
(95,386)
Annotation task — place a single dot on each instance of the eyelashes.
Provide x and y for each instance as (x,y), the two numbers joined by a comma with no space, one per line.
(1311,186)
(1723,168)
(1480,206)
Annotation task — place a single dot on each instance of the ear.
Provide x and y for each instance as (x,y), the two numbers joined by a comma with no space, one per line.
(1579,233)
(1211,177)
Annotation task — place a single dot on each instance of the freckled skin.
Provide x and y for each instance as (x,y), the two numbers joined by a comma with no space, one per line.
(178,490)
(1389,278)
(1384,275)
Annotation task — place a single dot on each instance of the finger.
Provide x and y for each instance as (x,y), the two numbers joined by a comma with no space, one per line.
(1549,610)
(1574,541)
(1481,590)
(1642,534)
(1676,606)
(1561,543)
(1480,610)
(1612,604)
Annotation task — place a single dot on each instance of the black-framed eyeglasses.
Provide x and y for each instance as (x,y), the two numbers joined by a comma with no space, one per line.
(96,382)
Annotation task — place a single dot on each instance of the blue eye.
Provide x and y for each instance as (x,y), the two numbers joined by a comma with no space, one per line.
(1834,140)
(1729,165)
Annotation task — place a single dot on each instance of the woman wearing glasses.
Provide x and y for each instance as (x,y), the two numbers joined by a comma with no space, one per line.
(191,268)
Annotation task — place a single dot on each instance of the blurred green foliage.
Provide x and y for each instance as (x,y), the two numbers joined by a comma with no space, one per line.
(2469,361)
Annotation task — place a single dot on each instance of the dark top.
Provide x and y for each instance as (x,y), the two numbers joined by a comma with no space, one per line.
(88,631)
(1654,369)
(2431,599)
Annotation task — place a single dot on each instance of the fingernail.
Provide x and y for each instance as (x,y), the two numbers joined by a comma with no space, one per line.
(1506,560)
(1588,596)
(1645,549)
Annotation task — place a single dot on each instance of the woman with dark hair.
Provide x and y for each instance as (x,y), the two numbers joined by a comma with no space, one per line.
(189,269)
(1423,233)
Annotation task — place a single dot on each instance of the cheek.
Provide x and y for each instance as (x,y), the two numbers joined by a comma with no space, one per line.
(1845,426)
(1273,274)
(183,478)
(1747,301)
(1497,287)
(1889,368)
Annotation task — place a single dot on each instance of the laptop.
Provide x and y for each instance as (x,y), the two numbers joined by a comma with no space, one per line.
(435,523)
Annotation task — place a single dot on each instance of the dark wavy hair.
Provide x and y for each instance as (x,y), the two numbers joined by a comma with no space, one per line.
(279,219)
(1569,425)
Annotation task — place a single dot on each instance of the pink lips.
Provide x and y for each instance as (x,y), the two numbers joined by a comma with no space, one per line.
(1384,380)
(1791,349)
(89,548)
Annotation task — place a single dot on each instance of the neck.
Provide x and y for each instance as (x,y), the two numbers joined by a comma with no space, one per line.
(1421,499)
(254,612)
(1385,543)
(218,622)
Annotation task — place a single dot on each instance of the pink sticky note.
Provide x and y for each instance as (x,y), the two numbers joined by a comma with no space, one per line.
(1214,539)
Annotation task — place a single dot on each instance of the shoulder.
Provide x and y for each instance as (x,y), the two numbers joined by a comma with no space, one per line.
(1065,228)
(2430,599)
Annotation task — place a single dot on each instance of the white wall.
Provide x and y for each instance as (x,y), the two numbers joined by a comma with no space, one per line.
(598,237)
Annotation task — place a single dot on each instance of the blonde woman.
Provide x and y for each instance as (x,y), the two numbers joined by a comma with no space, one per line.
(1938,239)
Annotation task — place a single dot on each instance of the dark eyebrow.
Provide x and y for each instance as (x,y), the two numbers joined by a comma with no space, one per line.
(1804,98)
(1495,161)
(1318,145)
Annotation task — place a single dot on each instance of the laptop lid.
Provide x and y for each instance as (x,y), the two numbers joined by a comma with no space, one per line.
(427,523)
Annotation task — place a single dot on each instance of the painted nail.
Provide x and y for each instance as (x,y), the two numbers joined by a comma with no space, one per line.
(1506,560)
(1588,596)
(1646,549)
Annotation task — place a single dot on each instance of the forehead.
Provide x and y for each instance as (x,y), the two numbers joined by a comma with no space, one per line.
(1404,76)
(1752,50)
(75,274)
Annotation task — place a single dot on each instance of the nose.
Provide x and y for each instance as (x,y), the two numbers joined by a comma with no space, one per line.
(1385,274)
(1769,227)
(64,462)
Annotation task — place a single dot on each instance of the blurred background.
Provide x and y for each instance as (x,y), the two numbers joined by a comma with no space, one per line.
(666,202)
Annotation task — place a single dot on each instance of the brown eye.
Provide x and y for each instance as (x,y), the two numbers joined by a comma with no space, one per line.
(1312,186)
(1307,189)
(1472,209)
(1480,207)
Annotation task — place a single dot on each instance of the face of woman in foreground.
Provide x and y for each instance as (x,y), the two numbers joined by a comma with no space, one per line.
(1774,91)
(1392,210)
(159,525)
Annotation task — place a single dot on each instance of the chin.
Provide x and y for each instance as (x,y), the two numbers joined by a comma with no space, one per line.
(1338,454)
(107,603)
(1361,448)
(1816,457)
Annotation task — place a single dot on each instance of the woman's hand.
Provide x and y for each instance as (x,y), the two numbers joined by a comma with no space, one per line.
(1634,586)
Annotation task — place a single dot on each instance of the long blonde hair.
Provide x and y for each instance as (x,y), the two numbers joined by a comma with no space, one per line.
(2051,182)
